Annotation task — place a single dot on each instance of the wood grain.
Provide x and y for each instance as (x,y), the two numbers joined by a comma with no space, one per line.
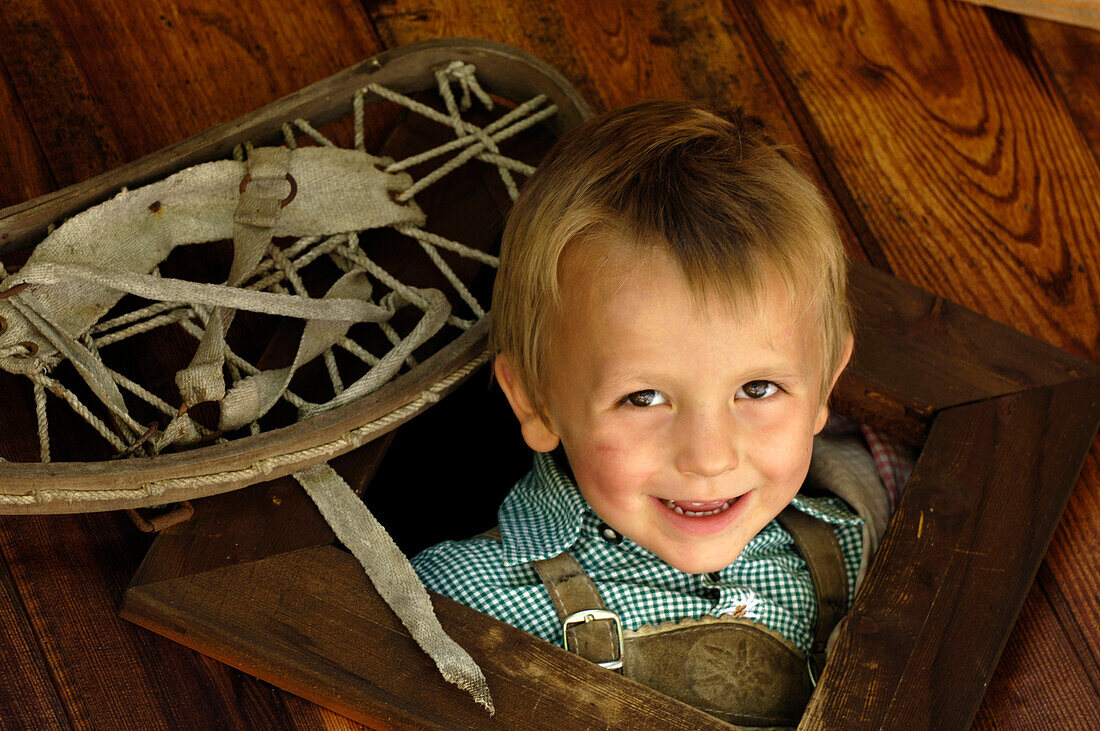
(71,572)
(1073,57)
(1025,675)
(619,51)
(963,163)
(327,636)
(917,354)
(162,71)
(28,697)
(20,153)
(972,484)
(1075,12)
(53,95)
(246,525)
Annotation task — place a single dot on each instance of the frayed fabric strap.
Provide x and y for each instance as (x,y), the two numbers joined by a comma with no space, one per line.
(262,193)
(393,576)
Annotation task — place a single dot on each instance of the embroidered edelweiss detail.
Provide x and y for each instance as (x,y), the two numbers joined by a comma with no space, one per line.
(689,623)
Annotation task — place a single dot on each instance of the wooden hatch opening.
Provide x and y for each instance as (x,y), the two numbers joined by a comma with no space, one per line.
(1003,422)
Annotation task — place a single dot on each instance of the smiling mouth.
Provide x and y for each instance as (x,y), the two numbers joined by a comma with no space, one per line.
(694,509)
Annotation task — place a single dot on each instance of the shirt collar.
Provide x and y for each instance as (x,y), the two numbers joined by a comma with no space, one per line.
(544,513)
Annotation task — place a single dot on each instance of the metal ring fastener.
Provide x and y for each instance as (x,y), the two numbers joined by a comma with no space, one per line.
(177,514)
(12,291)
(285,201)
(592,615)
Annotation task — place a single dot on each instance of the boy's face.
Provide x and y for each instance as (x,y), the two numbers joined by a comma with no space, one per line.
(688,428)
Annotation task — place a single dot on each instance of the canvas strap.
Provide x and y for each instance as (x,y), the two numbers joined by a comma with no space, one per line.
(392,575)
(263,191)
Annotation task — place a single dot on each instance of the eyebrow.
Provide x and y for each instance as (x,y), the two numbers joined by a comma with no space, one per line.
(616,381)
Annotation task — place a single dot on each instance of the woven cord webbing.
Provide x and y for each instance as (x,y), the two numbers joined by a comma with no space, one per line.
(191,306)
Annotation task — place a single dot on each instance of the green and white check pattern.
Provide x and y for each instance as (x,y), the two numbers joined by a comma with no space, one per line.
(545,514)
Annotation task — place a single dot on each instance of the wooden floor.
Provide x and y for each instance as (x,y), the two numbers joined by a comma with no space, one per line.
(959,144)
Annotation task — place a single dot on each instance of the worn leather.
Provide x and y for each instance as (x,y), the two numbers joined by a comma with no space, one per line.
(732,668)
(738,670)
(572,591)
(818,545)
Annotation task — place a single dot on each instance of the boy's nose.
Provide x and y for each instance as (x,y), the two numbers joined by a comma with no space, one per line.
(708,445)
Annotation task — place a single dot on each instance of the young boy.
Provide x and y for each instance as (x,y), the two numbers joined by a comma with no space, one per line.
(669,319)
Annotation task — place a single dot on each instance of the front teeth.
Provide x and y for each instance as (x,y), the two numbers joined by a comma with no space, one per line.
(692,514)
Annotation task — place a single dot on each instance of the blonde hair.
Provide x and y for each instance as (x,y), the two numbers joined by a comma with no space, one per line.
(723,197)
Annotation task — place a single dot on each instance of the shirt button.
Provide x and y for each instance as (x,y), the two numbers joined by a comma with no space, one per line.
(714,576)
(609,534)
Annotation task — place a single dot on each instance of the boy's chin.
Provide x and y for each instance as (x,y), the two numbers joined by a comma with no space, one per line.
(698,563)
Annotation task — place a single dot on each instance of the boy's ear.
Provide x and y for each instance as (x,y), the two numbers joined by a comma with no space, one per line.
(846,355)
(538,435)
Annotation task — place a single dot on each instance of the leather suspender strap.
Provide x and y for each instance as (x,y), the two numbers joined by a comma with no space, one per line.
(573,593)
(818,544)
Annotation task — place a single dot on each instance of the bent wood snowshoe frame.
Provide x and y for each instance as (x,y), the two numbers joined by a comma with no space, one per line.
(27,487)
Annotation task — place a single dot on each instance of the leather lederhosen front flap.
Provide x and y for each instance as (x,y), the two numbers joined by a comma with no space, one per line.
(733,668)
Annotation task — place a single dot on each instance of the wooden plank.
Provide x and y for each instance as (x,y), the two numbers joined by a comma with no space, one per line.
(327,636)
(1074,12)
(907,364)
(1073,57)
(70,572)
(971,515)
(1073,560)
(1064,661)
(28,698)
(196,64)
(948,141)
(263,520)
(621,51)
(53,94)
(20,152)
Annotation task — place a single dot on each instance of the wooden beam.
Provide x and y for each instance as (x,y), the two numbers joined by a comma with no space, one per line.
(1085,13)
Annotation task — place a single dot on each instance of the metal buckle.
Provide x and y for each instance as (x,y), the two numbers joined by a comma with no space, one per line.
(593,615)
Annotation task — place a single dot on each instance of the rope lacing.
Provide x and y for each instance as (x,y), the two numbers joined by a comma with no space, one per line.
(279,273)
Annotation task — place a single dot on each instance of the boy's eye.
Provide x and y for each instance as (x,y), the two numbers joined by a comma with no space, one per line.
(757,390)
(648,397)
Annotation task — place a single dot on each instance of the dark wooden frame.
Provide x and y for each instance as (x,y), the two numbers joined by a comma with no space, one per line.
(1004,422)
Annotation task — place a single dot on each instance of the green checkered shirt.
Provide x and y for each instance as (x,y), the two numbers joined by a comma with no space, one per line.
(545,514)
